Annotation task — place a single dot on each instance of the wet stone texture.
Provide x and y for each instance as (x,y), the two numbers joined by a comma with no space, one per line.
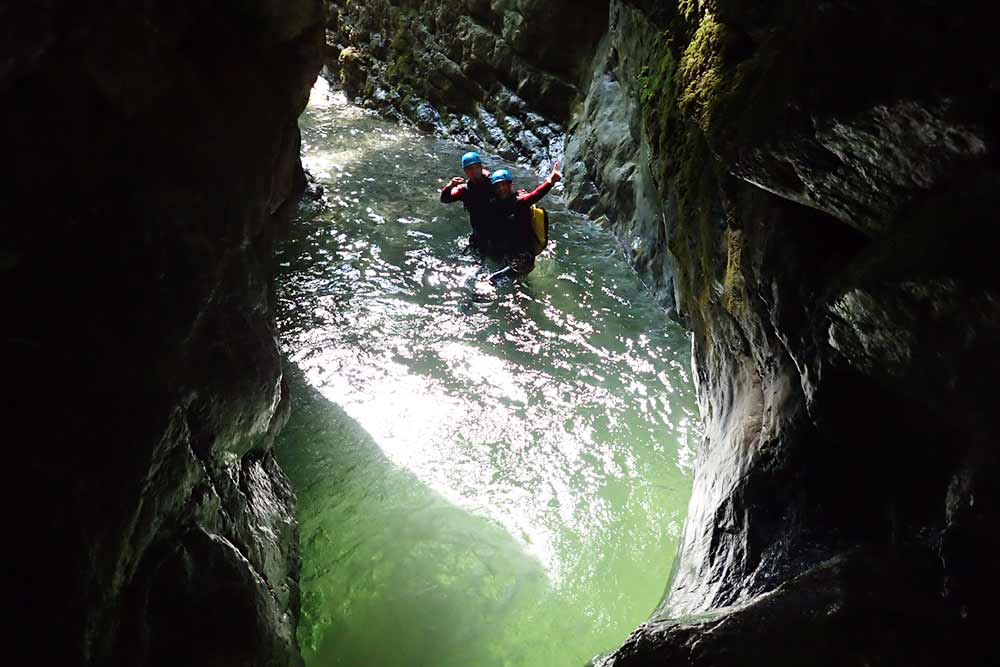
(830,180)
(501,75)
(607,158)
(151,155)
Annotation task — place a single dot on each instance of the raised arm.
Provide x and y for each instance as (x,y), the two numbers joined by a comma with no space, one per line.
(454,190)
(543,189)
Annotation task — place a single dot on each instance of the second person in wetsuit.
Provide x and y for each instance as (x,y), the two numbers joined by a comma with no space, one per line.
(515,237)
(475,192)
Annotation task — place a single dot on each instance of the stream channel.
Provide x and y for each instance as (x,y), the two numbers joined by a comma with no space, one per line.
(486,476)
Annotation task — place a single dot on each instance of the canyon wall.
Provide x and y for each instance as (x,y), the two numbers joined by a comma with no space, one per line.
(151,154)
(829,179)
(500,74)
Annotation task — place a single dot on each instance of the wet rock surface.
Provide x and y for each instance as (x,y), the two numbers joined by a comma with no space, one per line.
(153,155)
(831,221)
(502,75)
(608,156)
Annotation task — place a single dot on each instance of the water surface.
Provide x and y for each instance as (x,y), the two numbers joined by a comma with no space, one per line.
(487,476)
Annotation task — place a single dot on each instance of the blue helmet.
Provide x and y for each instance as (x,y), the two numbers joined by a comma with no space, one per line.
(470,158)
(501,175)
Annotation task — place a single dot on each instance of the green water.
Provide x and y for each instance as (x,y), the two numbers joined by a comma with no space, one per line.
(486,476)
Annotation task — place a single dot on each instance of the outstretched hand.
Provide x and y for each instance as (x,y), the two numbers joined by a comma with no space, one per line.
(556,175)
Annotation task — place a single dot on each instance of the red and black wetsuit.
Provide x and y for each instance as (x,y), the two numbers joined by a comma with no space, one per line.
(476,196)
(515,237)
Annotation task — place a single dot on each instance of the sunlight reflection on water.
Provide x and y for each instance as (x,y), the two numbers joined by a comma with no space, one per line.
(559,408)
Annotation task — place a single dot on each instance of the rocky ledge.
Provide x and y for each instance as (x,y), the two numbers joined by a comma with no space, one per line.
(152,153)
(503,75)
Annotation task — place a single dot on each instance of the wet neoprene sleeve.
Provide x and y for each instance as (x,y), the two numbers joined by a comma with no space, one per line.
(450,194)
(535,195)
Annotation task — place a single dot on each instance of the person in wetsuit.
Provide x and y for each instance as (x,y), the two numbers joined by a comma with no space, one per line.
(515,239)
(475,192)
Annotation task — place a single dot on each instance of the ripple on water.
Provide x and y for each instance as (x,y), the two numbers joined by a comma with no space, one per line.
(491,476)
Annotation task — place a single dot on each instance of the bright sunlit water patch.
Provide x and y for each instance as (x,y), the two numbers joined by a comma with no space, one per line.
(486,476)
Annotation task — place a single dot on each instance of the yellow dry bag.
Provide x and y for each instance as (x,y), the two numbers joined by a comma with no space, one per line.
(540,228)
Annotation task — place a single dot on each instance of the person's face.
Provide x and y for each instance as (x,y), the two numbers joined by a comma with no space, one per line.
(504,189)
(473,172)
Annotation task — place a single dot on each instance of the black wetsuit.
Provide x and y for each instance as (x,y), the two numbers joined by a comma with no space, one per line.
(514,238)
(477,197)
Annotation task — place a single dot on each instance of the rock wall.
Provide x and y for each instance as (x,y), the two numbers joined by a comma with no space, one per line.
(829,179)
(151,154)
(502,74)
(608,157)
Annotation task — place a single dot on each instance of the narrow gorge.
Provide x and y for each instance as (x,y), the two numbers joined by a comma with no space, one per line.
(806,189)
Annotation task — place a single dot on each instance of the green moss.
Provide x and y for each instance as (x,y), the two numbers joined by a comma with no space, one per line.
(718,77)
(710,92)
(400,41)
(655,81)
(700,71)
(680,75)
(688,9)
(733,282)
(402,70)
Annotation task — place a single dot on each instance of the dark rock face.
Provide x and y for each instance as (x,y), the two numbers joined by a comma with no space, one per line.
(608,156)
(501,74)
(829,177)
(152,154)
